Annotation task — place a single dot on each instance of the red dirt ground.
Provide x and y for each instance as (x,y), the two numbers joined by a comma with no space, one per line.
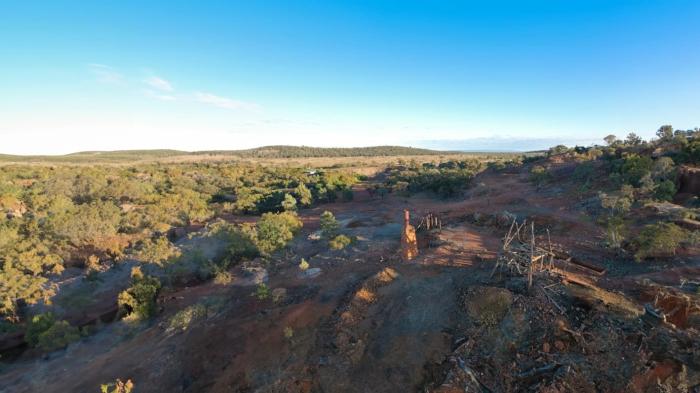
(352,333)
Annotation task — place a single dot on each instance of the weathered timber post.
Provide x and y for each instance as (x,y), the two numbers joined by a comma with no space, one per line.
(409,243)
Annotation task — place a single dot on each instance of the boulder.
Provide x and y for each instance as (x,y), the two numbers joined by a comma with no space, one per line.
(310,273)
(255,275)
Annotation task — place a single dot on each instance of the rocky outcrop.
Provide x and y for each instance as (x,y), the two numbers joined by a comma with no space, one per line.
(689,180)
(409,243)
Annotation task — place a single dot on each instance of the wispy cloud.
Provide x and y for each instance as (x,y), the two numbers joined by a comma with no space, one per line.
(106,74)
(226,103)
(159,83)
(159,96)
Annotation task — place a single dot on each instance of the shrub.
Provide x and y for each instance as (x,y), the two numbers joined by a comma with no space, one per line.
(665,190)
(139,301)
(583,173)
(182,320)
(47,334)
(559,149)
(289,203)
(223,277)
(614,231)
(37,325)
(329,225)
(157,251)
(275,230)
(117,387)
(303,194)
(16,284)
(241,242)
(660,239)
(634,168)
(348,195)
(339,242)
(303,265)
(539,175)
(262,292)
(58,336)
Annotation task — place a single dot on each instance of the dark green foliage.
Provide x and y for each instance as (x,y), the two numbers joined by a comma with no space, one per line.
(303,195)
(241,245)
(348,195)
(329,225)
(158,250)
(634,167)
(665,133)
(262,291)
(539,175)
(138,302)
(633,139)
(48,334)
(447,179)
(584,175)
(339,242)
(289,203)
(70,213)
(658,240)
(87,224)
(665,190)
(275,230)
(556,150)
(58,336)
(37,325)
(691,152)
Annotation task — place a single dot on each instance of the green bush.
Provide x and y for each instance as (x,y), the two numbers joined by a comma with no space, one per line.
(58,336)
(339,242)
(157,251)
(289,203)
(634,168)
(539,175)
(303,195)
(303,265)
(182,320)
(329,225)
(262,291)
(117,387)
(241,243)
(139,301)
(348,195)
(275,230)
(37,325)
(658,240)
(47,334)
(665,191)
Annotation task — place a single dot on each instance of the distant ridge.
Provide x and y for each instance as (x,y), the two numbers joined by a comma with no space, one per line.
(258,152)
(282,151)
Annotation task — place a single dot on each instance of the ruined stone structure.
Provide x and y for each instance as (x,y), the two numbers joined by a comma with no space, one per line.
(409,243)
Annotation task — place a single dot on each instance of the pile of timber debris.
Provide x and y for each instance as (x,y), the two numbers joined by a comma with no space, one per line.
(521,254)
(559,331)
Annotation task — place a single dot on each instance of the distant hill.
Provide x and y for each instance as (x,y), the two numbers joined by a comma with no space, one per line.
(258,152)
(307,151)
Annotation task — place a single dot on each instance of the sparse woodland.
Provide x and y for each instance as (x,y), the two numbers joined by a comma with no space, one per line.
(63,222)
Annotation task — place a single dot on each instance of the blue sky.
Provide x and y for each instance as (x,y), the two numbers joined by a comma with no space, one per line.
(227,75)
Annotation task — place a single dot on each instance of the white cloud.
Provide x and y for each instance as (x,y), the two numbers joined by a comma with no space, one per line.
(159,83)
(224,102)
(106,74)
(159,96)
